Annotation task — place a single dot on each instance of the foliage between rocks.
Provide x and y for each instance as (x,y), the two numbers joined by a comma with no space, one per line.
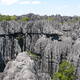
(32,54)
(25,19)
(66,72)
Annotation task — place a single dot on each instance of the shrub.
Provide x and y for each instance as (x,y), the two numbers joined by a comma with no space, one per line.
(13,17)
(66,72)
(7,18)
(25,19)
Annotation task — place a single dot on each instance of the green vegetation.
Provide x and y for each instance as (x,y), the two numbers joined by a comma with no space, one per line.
(7,18)
(32,54)
(13,17)
(25,19)
(66,72)
(51,18)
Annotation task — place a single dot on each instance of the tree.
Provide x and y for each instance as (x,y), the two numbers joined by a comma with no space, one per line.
(66,72)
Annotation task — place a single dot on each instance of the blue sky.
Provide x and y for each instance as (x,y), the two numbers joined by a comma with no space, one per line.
(42,7)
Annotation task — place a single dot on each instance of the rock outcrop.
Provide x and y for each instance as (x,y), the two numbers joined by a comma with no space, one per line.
(52,40)
(22,68)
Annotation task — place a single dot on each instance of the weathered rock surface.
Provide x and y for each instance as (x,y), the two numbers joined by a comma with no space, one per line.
(22,68)
(51,40)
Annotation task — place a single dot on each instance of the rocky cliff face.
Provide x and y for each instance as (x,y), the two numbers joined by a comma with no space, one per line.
(51,40)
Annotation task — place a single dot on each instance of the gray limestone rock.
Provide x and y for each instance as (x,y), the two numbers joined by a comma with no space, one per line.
(51,40)
(22,68)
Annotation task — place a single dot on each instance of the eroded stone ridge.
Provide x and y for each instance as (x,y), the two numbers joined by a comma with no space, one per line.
(51,40)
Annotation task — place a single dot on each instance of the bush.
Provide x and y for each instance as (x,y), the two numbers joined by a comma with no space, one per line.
(25,19)
(66,72)
(13,17)
(7,18)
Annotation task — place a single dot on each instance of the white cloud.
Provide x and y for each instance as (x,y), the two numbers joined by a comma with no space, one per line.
(30,2)
(25,2)
(36,2)
(8,2)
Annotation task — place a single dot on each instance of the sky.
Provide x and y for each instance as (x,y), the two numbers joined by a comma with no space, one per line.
(41,7)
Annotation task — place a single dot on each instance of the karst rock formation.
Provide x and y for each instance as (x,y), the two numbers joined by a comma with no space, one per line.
(48,41)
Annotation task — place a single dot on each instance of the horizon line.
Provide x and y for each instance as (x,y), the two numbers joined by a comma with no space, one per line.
(39,14)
